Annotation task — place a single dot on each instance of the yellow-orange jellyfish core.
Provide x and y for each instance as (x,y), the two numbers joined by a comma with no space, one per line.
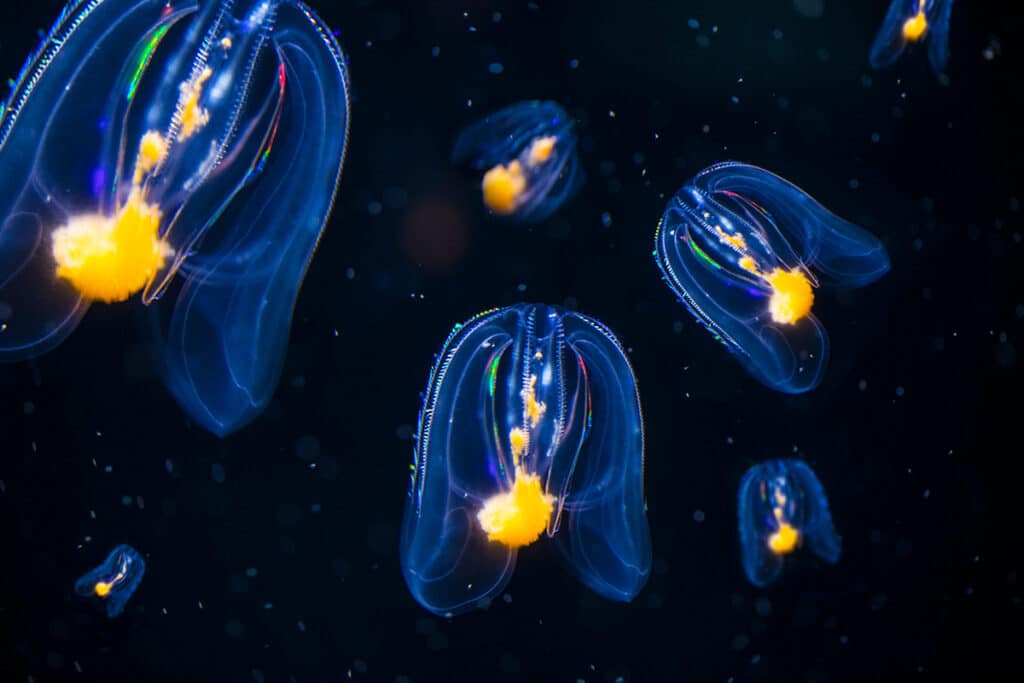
(152,152)
(109,259)
(502,187)
(102,589)
(784,540)
(736,241)
(519,439)
(792,296)
(532,408)
(540,150)
(520,516)
(191,116)
(915,26)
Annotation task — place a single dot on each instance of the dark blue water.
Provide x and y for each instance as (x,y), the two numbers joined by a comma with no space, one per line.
(272,554)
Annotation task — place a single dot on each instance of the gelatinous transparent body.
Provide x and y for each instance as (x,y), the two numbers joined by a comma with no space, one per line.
(911,21)
(156,138)
(114,581)
(745,250)
(529,153)
(530,427)
(782,507)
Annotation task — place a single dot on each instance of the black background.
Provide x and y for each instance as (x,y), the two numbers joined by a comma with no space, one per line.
(924,486)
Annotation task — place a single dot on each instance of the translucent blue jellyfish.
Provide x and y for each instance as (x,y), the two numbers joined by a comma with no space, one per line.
(529,151)
(114,581)
(530,428)
(744,250)
(782,507)
(148,140)
(911,21)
